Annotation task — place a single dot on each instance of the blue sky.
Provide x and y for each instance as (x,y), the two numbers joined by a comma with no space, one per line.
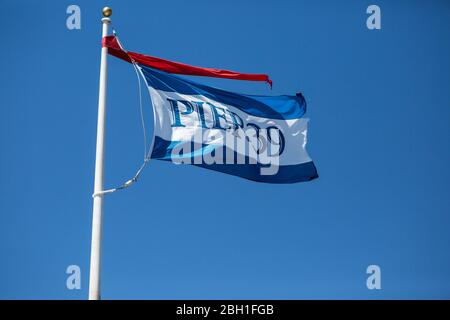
(379,104)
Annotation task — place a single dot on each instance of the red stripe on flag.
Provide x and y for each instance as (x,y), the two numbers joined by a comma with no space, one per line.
(114,49)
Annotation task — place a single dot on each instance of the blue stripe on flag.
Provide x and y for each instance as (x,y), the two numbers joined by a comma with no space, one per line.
(286,173)
(274,107)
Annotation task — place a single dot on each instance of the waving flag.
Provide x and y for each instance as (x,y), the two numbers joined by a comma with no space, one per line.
(116,50)
(261,138)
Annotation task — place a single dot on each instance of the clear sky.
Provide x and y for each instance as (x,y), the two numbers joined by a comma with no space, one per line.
(379,104)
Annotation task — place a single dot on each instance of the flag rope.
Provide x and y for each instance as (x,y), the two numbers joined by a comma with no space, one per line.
(147,155)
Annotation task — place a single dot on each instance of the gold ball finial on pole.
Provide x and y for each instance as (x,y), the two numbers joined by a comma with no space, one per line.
(107,12)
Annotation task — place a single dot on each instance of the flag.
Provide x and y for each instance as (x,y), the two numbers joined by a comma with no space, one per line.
(115,49)
(260,138)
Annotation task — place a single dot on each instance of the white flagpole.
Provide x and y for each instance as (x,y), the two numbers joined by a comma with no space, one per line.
(94,276)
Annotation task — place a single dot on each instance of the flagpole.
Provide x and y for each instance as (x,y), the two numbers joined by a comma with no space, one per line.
(94,276)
